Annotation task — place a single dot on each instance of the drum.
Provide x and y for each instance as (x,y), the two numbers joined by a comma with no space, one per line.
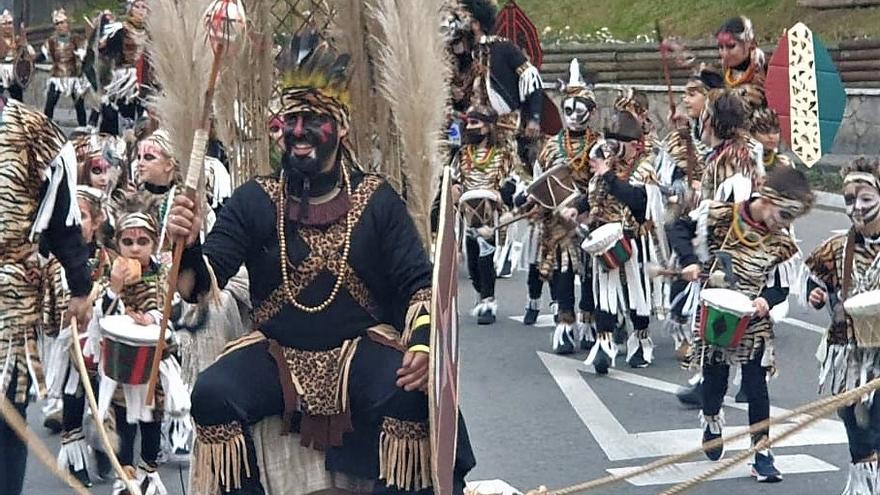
(89,360)
(864,310)
(609,244)
(128,349)
(479,207)
(553,188)
(724,316)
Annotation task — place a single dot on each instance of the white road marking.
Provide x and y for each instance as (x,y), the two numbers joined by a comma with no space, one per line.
(618,444)
(803,324)
(678,473)
(543,321)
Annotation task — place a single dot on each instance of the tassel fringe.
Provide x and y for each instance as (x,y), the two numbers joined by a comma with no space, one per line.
(405,455)
(218,456)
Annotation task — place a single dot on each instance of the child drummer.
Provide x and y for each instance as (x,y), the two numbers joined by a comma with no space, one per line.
(842,267)
(137,288)
(740,247)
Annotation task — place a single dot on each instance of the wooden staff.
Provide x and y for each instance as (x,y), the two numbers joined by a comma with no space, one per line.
(191,184)
(93,406)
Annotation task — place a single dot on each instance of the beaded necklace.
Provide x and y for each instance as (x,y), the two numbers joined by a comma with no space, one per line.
(480,164)
(282,241)
(749,239)
(577,159)
(744,78)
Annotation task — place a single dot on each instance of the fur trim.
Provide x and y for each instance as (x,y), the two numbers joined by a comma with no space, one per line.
(405,454)
(219,453)
(864,479)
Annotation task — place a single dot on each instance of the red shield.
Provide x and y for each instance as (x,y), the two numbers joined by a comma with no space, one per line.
(443,381)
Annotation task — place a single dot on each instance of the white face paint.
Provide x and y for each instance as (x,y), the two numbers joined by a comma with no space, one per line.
(576,112)
(863,207)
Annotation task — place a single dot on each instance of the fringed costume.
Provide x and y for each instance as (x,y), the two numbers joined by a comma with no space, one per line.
(37,177)
(65,51)
(341,286)
(843,267)
(123,45)
(11,46)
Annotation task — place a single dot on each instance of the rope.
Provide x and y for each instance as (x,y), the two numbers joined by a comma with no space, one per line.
(815,410)
(16,422)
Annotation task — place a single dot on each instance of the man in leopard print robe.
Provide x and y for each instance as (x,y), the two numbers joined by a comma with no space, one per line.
(342,287)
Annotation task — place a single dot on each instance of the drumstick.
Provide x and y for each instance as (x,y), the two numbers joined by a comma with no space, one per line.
(93,405)
(17,424)
(512,220)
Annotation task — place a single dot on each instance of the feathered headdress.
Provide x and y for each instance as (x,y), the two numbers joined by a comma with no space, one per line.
(576,87)
(314,78)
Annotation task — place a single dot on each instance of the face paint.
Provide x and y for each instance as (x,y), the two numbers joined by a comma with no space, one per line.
(136,244)
(577,112)
(732,51)
(863,207)
(153,166)
(310,141)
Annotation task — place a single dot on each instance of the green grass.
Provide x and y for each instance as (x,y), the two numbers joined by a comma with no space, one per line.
(691,19)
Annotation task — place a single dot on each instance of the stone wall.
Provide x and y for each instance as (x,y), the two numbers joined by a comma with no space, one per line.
(859,133)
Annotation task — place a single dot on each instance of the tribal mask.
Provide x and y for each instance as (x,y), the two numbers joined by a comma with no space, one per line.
(578,100)
(861,193)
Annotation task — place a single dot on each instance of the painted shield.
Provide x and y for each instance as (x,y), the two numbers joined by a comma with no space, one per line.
(443,380)
(804,87)
(513,24)
(23,68)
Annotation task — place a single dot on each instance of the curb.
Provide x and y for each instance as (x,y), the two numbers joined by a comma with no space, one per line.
(830,201)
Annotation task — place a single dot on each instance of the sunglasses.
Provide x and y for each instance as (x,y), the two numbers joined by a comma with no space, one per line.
(141,241)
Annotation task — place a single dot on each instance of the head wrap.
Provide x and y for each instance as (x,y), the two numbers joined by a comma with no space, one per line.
(162,140)
(633,101)
(137,220)
(863,177)
(90,194)
(314,78)
(736,29)
(483,113)
(793,206)
(59,16)
(6,17)
(483,11)
(576,87)
(705,79)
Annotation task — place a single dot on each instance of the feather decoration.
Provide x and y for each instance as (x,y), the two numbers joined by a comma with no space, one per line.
(413,77)
(181,59)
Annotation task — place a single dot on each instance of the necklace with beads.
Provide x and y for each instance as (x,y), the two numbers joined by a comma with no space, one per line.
(282,241)
(733,82)
(749,239)
(577,159)
(480,163)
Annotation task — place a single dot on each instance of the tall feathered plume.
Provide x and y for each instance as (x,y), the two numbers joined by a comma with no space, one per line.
(413,77)
(181,59)
(308,61)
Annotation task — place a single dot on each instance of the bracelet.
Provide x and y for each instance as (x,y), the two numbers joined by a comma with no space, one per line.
(420,348)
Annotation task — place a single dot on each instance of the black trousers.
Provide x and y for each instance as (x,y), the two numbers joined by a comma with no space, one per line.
(864,439)
(481,269)
(151,439)
(52,97)
(13,452)
(244,387)
(15,91)
(110,116)
(754,382)
(607,322)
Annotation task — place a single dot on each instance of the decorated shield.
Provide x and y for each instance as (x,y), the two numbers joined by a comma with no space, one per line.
(513,24)
(804,87)
(23,68)
(443,380)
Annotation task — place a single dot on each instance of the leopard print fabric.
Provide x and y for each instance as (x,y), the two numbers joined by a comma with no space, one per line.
(325,253)
(321,378)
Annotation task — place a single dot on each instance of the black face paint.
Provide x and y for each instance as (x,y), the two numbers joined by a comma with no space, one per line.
(863,207)
(310,140)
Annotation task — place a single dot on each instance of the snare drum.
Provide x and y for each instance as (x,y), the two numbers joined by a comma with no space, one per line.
(553,188)
(479,207)
(864,310)
(128,349)
(724,316)
(609,244)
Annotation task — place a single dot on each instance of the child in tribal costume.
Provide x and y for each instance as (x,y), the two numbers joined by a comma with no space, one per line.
(141,298)
(764,128)
(65,51)
(560,257)
(37,179)
(123,43)
(680,164)
(10,45)
(351,297)
(744,64)
(619,288)
(482,167)
(62,376)
(844,266)
(741,246)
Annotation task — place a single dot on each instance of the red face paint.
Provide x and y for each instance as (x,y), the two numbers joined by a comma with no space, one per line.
(298,127)
(326,131)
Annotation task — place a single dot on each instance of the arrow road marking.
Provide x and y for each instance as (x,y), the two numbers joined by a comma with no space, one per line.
(620,445)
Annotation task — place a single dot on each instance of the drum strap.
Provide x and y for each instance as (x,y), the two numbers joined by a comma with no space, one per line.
(848,255)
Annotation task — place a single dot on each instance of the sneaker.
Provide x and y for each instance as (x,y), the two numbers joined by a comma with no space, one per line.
(714,453)
(563,339)
(486,318)
(637,360)
(742,397)
(485,311)
(764,470)
(531,316)
(691,396)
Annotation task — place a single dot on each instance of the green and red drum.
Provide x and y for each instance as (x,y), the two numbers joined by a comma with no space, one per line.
(724,316)
(609,245)
(128,349)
